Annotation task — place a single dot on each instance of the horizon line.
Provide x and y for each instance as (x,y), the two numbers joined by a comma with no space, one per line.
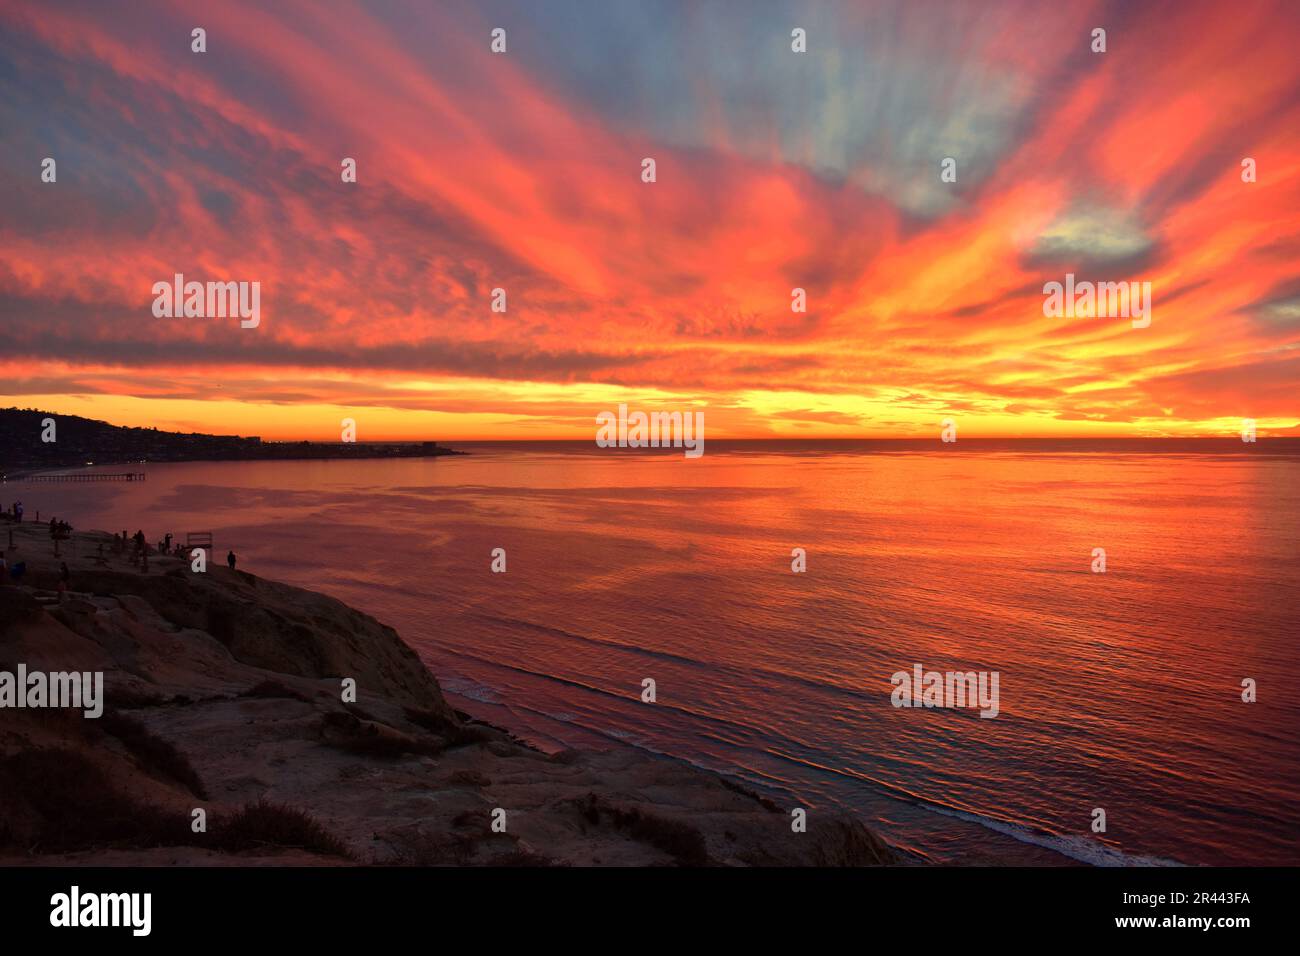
(1270,434)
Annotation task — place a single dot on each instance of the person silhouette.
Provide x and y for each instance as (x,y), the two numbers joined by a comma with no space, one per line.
(230,560)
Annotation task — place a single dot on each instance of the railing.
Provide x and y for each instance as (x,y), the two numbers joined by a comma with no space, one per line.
(87,476)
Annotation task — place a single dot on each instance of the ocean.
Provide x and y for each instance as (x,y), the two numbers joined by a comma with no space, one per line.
(1119,691)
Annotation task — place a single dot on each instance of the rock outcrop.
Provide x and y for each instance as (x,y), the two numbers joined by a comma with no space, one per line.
(222,695)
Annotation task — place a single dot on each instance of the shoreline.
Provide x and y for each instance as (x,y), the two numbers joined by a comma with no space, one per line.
(918,830)
(26,473)
(223,693)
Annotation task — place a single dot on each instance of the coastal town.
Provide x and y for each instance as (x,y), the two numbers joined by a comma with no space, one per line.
(32,440)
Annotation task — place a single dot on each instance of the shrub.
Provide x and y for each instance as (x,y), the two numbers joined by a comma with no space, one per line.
(69,805)
(849,843)
(262,824)
(154,753)
(683,843)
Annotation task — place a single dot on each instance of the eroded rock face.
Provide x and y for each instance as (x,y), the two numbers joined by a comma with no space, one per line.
(276,627)
(223,694)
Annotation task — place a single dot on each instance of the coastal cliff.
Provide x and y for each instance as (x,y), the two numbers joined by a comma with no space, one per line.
(223,692)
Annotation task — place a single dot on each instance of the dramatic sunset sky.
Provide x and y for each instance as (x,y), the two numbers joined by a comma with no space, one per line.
(775,170)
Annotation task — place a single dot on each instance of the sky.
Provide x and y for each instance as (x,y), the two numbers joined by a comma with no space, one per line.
(774,170)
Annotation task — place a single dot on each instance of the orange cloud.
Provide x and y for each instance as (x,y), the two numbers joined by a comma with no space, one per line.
(479,171)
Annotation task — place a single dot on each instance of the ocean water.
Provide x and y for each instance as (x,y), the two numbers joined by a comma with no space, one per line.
(1119,691)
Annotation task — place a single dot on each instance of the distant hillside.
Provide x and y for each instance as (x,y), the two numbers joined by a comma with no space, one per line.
(81,441)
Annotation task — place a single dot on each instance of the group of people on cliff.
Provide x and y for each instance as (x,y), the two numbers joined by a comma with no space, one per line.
(142,550)
(60,530)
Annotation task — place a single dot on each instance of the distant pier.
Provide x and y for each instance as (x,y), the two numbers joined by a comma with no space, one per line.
(87,476)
